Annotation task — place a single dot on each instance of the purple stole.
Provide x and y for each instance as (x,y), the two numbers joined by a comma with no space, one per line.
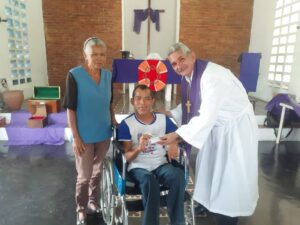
(192,94)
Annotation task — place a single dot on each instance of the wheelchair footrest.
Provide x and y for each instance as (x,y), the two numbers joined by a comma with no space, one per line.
(137,205)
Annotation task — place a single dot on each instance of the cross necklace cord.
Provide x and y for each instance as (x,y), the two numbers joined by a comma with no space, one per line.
(188,103)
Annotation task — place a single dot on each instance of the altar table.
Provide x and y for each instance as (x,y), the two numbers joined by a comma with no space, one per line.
(126,71)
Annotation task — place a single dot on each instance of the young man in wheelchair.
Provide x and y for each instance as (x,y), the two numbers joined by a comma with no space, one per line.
(148,163)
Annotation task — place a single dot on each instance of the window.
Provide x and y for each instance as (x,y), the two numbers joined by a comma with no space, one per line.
(17,29)
(283,44)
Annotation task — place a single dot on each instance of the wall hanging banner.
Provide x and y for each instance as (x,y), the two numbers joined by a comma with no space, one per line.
(153,73)
(141,15)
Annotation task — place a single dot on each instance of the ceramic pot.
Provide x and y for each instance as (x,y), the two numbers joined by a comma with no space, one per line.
(13,100)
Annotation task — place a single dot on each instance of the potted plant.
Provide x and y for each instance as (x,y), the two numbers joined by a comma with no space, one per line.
(13,99)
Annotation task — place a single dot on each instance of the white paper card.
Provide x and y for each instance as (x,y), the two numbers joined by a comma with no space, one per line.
(154,140)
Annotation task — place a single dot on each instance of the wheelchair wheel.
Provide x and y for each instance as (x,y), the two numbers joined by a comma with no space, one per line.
(189,212)
(121,213)
(107,199)
(125,215)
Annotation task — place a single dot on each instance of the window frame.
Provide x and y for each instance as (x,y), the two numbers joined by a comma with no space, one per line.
(18,42)
(286,19)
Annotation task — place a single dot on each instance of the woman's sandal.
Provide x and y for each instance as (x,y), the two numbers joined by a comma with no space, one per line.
(80,221)
(94,208)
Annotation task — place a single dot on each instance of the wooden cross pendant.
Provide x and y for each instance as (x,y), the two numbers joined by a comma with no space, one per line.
(188,106)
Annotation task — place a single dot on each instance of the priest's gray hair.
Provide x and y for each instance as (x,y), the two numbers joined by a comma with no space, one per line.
(179,46)
(92,41)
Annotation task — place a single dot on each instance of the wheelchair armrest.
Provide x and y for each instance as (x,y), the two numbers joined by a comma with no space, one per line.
(118,145)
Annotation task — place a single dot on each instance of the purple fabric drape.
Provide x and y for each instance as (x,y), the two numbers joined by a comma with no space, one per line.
(192,94)
(154,16)
(141,15)
(53,134)
(274,105)
(194,91)
(249,70)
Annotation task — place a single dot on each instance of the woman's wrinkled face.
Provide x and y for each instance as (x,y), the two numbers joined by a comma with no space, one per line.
(181,63)
(95,57)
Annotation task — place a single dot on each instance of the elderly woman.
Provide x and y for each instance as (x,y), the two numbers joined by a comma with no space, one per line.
(90,116)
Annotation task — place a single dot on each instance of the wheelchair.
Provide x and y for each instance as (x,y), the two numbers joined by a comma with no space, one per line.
(118,190)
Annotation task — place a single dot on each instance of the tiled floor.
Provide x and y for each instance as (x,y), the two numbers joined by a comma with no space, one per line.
(37,186)
(37,183)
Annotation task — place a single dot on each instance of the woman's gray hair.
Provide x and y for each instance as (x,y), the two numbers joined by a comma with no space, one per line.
(91,42)
(179,46)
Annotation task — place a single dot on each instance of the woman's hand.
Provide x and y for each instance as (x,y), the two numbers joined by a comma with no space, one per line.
(78,146)
(114,122)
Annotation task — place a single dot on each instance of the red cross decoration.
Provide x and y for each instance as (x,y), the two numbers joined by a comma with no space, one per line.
(153,73)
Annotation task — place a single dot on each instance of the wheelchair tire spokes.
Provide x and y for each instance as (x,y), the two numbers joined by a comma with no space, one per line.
(107,198)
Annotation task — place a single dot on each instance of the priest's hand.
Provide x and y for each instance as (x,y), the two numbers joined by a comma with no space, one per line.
(78,146)
(171,138)
(172,151)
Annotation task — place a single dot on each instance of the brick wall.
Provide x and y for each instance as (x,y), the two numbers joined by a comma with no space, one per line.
(218,30)
(69,23)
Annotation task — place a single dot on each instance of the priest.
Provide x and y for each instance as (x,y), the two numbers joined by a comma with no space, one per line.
(217,119)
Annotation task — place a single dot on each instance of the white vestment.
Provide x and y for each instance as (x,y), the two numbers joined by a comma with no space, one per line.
(225,133)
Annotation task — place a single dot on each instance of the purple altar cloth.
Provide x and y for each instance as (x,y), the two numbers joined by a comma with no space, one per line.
(273,104)
(274,107)
(19,134)
(126,71)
